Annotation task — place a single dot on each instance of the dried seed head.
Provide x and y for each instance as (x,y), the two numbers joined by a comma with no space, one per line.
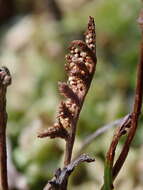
(80,67)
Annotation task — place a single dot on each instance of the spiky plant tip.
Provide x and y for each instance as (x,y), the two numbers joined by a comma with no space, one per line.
(90,35)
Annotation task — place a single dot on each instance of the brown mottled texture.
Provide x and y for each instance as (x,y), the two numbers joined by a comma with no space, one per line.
(5,80)
(55,131)
(81,62)
(80,67)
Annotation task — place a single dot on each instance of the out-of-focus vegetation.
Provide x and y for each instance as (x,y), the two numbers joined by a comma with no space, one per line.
(34,41)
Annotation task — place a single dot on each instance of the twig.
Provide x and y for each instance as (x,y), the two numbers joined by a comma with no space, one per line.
(108,181)
(61,176)
(119,132)
(136,109)
(90,138)
(5,80)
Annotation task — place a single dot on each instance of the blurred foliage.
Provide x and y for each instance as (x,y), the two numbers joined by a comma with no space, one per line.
(33,46)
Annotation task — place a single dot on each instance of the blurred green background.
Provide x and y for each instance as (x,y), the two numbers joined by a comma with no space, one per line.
(34,37)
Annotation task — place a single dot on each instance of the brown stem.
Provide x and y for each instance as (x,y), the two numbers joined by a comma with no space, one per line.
(125,124)
(71,139)
(5,80)
(70,142)
(135,114)
(118,134)
(59,181)
(3,154)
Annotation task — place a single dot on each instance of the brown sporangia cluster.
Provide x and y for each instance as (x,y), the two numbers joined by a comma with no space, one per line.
(80,67)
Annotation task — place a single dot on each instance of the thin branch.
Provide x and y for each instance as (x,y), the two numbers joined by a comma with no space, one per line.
(60,179)
(108,181)
(122,130)
(136,109)
(5,80)
(90,138)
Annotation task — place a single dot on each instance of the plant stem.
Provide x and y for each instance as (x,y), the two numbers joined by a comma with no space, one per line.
(5,80)
(108,169)
(70,142)
(3,152)
(135,114)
